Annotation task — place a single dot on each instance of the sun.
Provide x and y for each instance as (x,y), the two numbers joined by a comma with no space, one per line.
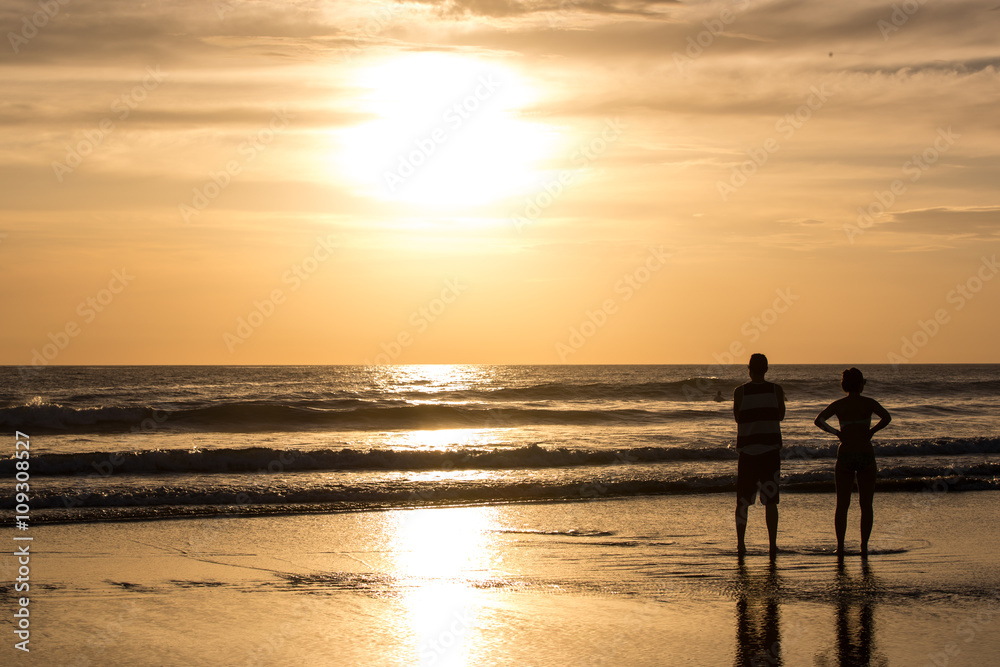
(446,132)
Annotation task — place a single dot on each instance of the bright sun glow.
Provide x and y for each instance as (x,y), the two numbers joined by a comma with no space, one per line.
(445,438)
(440,550)
(441,553)
(446,133)
(444,544)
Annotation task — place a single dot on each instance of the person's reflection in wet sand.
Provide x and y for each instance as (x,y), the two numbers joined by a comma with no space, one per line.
(758,631)
(856,600)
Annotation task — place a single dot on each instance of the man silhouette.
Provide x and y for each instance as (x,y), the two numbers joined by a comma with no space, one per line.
(759,407)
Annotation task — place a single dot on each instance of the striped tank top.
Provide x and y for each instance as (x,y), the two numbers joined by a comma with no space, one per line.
(758,427)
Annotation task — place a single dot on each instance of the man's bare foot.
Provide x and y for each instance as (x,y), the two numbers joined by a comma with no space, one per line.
(741,549)
(773,551)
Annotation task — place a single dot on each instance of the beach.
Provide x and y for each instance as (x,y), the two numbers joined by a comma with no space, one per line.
(464,333)
(485,515)
(648,580)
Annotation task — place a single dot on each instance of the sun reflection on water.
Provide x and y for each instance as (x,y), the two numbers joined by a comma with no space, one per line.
(444,557)
(433,378)
(445,438)
(442,385)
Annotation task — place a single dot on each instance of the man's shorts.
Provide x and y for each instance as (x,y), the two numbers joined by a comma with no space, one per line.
(758,471)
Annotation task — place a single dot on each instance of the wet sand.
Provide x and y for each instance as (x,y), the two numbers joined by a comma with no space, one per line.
(639,581)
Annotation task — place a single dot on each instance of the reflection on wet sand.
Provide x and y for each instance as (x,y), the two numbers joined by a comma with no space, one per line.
(856,599)
(856,617)
(758,631)
(758,618)
(442,554)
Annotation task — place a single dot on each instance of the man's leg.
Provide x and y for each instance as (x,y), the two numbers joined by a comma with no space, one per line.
(770,494)
(771,514)
(741,525)
(746,495)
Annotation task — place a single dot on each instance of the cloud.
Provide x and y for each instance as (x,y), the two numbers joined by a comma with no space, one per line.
(513,8)
(981,222)
(800,221)
(967,66)
(232,118)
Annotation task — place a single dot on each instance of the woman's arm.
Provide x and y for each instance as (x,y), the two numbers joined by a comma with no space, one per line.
(823,416)
(884,418)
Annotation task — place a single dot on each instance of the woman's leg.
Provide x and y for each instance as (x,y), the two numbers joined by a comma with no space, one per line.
(866,492)
(844,479)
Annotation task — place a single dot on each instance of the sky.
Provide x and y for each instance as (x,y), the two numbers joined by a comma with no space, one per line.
(484,181)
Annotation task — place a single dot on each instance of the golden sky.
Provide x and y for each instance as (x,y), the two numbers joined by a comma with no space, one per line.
(484,181)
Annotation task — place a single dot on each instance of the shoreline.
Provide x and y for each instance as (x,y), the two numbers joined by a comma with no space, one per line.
(619,580)
(89,515)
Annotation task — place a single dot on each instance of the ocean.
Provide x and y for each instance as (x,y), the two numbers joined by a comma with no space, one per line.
(131,442)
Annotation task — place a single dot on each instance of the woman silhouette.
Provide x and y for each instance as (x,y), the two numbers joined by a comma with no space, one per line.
(855,455)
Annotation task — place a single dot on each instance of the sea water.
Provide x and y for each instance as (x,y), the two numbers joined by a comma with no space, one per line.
(112,442)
